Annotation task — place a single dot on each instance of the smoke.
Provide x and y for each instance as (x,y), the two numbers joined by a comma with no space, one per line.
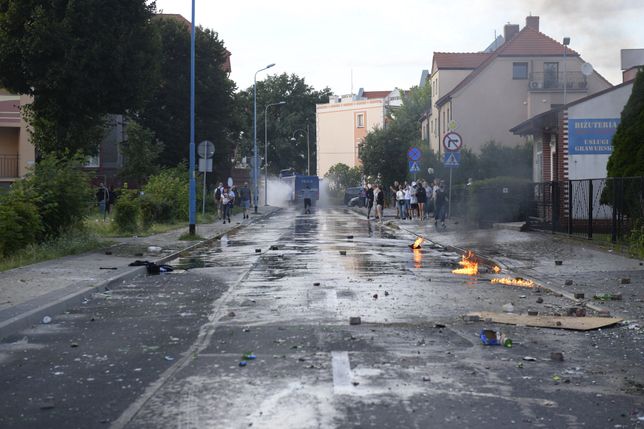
(597,39)
(278,193)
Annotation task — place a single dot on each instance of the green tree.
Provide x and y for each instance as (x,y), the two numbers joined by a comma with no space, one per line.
(80,60)
(140,152)
(627,159)
(167,112)
(341,176)
(283,121)
(384,150)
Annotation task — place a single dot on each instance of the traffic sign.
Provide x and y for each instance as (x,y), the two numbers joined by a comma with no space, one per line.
(414,167)
(451,125)
(452,141)
(452,159)
(206,149)
(414,154)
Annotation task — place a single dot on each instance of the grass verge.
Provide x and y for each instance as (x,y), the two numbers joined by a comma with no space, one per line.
(70,243)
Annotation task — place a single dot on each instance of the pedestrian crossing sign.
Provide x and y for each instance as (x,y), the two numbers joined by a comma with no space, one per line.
(452,159)
(414,167)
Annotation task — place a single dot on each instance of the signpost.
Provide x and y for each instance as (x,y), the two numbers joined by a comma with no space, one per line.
(205,150)
(452,142)
(414,154)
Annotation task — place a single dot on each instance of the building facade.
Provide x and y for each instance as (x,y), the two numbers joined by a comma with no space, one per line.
(17,154)
(343,122)
(484,94)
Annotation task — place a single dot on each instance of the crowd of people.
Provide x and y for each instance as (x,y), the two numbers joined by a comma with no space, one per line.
(420,200)
(227,197)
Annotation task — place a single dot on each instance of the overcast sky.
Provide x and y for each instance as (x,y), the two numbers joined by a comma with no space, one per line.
(387,44)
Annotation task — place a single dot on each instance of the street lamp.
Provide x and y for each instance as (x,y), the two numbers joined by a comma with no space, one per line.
(192,183)
(308,149)
(255,166)
(566,42)
(266,149)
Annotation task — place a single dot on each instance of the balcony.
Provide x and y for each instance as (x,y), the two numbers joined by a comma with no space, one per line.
(554,82)
(8,166)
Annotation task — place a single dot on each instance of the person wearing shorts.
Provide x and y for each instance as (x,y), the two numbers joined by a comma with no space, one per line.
(244,196)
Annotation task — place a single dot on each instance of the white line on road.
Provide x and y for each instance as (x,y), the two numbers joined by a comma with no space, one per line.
(341,373)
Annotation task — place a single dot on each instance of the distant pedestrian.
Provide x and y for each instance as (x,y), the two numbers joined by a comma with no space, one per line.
(227,201)
(400,202)
(102,198)
(394,201)
(407,199)
(421,198)
(440,201)
(370,197)
(380,202)
(306,196)
(244,197)
(413,201)
(219,190)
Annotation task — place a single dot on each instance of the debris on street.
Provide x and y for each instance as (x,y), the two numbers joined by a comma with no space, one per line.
(544,321)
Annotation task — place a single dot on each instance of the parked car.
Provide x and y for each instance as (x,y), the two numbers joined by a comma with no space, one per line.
(354,196)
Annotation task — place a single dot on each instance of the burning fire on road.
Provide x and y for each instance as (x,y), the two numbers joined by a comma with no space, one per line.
(417,243)
(517,281)
(469,264)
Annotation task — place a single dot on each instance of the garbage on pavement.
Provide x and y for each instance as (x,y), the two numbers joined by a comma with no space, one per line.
(545,321)
(490,337)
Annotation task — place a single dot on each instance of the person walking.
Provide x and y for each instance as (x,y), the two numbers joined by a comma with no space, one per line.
(370,196)
(407,199)
(440,201)
(244,196)
(379,195)
(394,201)
(400,200)
(217,195)
(103,198)
(307,197)
(421,198)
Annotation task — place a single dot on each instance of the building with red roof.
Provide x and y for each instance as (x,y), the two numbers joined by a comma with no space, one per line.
(481,95)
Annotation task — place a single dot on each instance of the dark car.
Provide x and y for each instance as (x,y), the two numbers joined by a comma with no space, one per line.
(354,196)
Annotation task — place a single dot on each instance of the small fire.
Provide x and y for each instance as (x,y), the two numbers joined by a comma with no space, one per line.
(417,243)
(496,269)
(470,266)
(517,281)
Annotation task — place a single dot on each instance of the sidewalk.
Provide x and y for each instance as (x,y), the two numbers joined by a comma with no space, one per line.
(29,293)
(585,268)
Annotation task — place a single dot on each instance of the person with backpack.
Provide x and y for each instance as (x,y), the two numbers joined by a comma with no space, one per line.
(219,190)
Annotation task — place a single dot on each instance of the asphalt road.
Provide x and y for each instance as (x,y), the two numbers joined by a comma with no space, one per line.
(165,351)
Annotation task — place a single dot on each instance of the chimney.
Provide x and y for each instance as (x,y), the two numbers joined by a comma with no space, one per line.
(509,31)
(532,22)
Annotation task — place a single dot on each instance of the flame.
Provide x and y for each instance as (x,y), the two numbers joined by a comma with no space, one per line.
(496,269)
(417,243)
(418,258)
(470,266)
(517,281)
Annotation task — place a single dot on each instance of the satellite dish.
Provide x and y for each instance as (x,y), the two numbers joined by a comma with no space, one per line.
(587,69)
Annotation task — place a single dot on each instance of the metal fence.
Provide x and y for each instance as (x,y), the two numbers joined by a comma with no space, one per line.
(593,208)
(8,166)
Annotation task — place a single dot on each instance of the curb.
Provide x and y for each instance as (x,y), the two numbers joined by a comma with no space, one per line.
(26,314)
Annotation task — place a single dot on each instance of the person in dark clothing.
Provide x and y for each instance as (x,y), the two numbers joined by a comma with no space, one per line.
(244,197)
(380,202)
(103,198)
(306,195)
(421,197)
(440,201)
(369,200)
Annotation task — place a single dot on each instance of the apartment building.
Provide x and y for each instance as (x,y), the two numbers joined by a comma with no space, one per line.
(343,122)
(484,94)
(17,154)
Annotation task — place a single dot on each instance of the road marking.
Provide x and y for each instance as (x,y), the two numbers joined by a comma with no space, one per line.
(341,373)
(332,301)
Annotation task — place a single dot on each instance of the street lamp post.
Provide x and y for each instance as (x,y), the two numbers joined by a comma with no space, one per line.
(192,184)
(266,149)
(566,42)
(255,165)
(308,147)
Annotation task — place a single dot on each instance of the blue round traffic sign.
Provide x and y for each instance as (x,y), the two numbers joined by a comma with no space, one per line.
(414,154)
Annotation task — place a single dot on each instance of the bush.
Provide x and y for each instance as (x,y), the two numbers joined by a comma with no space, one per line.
(155,210)
(127,211)
(168,191)
(60,190)
(20,224)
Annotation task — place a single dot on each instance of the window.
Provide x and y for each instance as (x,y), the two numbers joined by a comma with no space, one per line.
(93,161)
(360,120)
(519,70)
(550,75)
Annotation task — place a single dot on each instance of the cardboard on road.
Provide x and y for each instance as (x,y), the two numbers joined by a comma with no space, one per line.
(557,322)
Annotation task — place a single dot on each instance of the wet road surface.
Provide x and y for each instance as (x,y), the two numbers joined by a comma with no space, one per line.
(165,351)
